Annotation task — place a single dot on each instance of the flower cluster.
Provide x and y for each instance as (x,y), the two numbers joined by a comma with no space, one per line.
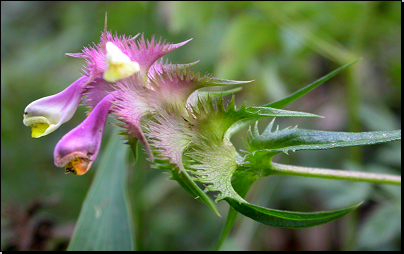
(155,101)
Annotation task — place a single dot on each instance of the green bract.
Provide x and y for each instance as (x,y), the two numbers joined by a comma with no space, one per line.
(195,146)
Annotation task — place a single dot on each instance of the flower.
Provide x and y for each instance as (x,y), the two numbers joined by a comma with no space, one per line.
(123,76)
(47,114)
(116,58)
(77,150)
(119,65)
(128,66)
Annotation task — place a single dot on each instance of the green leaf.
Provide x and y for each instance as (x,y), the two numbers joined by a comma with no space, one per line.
(213,120)
(299,93)
(288,219)
(104,222)
(257,112)
(285,101)
(190,186)
(293,139)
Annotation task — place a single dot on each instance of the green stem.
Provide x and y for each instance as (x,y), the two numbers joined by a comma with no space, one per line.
(281,169)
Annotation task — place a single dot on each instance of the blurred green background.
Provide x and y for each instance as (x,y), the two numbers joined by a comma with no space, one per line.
(282,46)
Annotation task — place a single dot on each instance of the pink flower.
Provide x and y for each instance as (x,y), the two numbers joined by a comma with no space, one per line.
(123,76)
(116,58)
(47,114)
(77,150)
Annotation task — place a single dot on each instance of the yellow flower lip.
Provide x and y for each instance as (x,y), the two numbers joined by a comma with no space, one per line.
(39,125)
(76,162)
(38,129)
(78,166)
(119,65)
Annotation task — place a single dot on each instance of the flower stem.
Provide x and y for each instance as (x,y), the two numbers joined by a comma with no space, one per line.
(281,169)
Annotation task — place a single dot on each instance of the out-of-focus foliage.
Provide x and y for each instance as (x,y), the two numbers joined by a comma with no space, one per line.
(282,46)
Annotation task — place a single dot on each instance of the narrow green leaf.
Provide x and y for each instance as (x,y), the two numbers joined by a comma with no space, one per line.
(252,114)
(274,112)
(293,139)
(296,95)
(190,186)
(288,219)
(104,222)
(285,101)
